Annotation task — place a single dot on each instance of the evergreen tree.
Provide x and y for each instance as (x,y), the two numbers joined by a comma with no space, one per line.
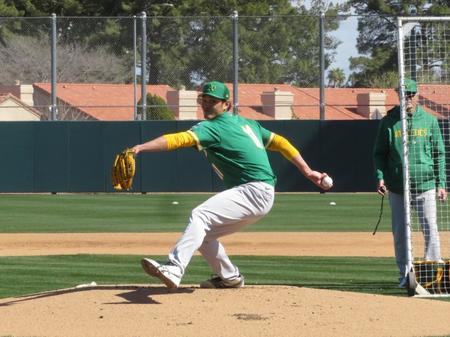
(377,37)
(157,108)
(190,41)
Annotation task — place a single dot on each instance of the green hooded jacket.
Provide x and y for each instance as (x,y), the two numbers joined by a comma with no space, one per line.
(426,152)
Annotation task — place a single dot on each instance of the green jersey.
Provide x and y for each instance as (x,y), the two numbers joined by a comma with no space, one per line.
(236,148)
(426,152)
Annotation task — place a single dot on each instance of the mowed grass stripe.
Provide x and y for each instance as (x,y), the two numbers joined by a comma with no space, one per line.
(70,213)
(26,275)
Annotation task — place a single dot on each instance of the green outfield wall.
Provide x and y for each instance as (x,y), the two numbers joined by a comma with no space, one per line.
(77,156)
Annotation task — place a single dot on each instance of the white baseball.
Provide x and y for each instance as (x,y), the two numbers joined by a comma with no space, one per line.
(327,182)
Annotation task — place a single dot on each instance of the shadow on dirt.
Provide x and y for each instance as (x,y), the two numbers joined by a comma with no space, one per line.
(139,294)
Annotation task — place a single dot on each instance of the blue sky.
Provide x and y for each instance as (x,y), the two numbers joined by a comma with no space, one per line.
(346,34)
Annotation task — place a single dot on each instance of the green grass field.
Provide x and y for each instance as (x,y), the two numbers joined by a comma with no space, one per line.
(66,213)
(25,275)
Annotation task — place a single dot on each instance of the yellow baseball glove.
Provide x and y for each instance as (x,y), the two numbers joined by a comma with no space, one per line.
(123,170)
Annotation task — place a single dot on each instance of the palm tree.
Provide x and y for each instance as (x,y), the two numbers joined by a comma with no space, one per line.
(336,78)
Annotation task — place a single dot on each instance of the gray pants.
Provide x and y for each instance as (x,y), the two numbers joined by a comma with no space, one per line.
(425,206)
(224,213)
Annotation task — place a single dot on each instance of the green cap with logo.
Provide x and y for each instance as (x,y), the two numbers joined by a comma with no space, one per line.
(216,89)
(410,85)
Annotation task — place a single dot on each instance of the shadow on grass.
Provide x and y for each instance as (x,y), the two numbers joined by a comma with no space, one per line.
(379,288)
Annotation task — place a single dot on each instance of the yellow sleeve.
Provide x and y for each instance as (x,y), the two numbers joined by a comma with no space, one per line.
(282,145)
(180,139)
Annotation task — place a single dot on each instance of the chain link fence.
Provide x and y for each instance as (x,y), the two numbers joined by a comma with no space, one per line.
(103,65)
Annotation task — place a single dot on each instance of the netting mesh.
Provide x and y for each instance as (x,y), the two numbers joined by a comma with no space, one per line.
(426,60)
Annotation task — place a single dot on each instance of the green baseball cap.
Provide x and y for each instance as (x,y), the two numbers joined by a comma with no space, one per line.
(410,85)
(216,89)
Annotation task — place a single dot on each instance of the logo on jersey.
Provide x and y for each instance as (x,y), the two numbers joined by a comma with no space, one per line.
(248,130)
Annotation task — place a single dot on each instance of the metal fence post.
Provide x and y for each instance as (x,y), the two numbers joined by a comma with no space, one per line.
(135,114)
(234,18)
(54,107)
(144,65)
(322,65)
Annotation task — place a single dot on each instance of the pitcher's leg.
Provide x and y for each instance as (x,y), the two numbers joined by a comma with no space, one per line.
(190,241)
(214,252)
(256,200)
(221,265)
(224,213)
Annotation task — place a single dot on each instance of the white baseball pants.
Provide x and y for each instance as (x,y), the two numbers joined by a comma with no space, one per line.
(224,213)
(425,206)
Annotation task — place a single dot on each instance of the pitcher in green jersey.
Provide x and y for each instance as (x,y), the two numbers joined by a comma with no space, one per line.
(237,148)
(427,174)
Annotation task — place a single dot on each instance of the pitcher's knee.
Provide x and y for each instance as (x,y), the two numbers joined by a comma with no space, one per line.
(199,218)
(196,229)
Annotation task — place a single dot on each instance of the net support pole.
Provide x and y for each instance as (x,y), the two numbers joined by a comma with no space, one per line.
(54,106)
(135,112)
(322,64)
(143,65)
(234,18)
(406,178)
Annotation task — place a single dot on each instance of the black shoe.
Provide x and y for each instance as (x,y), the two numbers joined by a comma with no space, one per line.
(217,282)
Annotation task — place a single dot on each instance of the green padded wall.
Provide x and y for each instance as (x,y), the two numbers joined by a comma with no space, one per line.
(77,156)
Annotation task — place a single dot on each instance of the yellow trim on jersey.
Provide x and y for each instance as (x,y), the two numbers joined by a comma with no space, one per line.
(197,141)
(180,139)
(282,145)
(270,140)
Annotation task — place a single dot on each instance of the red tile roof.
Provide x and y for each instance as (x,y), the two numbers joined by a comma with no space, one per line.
(436,99)
(341,103)
(108,102)
(115,101)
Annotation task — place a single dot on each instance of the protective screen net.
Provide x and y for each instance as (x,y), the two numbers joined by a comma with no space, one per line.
(426,92)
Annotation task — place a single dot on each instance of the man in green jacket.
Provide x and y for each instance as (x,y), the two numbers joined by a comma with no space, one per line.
(427,174)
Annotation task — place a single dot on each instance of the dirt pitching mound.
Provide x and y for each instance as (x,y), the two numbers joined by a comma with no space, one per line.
(276,311)
(262,311)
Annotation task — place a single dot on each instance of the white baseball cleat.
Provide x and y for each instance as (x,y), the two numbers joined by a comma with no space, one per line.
(218,282)
(168,273)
